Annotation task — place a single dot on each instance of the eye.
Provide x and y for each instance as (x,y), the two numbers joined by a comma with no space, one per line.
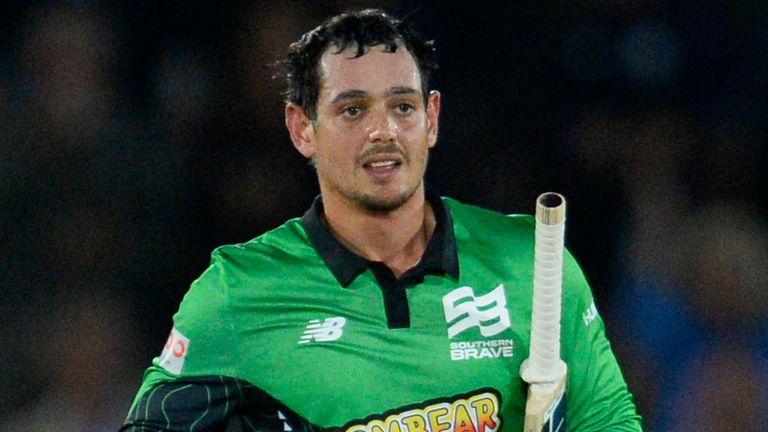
(352,111)
(405,108)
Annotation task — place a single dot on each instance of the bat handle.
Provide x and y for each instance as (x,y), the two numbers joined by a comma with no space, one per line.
(544,363)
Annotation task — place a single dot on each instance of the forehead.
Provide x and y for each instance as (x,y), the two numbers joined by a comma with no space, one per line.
(374,72)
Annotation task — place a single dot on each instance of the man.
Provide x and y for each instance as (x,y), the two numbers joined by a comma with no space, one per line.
(343,319)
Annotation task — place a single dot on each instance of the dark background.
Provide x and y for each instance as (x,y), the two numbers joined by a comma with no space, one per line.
(135,137)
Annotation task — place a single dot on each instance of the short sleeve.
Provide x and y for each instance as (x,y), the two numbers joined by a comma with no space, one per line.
(204,323)
(598,397)
(202,341)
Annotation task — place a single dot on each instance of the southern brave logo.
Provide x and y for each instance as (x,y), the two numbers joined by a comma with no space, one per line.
(330,329)
(463,310)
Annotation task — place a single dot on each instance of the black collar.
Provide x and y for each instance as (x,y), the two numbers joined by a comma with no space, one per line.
(440,257)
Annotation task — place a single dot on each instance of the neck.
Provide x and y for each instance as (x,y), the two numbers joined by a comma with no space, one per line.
(397,238)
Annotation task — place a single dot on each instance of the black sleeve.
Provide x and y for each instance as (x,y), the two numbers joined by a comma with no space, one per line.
(209,403)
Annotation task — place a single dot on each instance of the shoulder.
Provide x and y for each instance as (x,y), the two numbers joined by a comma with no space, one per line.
(268,254)
(490,242)
(252,268)
(479,221)
(287,240)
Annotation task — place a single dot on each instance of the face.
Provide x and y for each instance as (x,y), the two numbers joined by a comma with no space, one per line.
(372,134)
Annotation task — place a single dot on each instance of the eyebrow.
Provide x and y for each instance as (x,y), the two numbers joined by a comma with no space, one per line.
(401,91)
(362,94)
(350,94)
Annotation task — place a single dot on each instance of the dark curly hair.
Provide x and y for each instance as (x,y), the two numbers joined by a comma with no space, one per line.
(363,29)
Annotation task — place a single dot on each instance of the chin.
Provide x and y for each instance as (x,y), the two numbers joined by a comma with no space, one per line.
(379,204)
(381,207)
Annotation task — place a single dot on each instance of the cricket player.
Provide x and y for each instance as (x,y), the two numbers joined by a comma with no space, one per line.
(385,307)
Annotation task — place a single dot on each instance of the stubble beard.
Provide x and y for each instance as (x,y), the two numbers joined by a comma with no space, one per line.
(376,203)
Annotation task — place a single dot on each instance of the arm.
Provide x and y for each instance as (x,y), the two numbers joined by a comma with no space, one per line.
(199,403)
(598,397)
(190,386)
(208,403)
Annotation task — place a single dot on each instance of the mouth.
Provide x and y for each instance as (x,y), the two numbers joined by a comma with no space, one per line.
(382,164)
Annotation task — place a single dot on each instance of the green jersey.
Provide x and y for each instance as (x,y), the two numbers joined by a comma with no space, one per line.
(292,331)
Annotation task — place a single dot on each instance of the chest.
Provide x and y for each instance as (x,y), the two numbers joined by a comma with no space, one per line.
(324,346)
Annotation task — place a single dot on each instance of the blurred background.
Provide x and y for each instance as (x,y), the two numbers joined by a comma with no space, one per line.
(137,136)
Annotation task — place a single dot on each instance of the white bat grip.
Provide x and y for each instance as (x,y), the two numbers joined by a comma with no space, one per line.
(544,363)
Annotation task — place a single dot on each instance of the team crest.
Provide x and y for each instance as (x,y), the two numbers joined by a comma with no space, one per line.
(488,313)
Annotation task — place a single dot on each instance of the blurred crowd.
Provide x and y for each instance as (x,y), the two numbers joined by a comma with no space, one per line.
(137,136)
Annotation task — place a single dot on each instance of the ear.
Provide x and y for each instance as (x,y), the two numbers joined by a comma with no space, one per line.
(433,112)
(300,128)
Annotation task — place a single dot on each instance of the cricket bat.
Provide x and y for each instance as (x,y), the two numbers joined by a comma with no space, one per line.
(544,370)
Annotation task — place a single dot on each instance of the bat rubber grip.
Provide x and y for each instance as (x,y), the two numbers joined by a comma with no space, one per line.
(544,363)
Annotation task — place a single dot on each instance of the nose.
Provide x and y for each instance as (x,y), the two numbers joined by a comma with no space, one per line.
(382,129)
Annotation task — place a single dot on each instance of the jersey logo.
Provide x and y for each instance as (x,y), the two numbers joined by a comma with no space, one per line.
(174,352)
(330,329)
(463,310)
(590,314)
(479,411)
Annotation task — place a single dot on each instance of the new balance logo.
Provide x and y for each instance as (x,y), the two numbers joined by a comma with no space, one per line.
(327,330)
(487,312)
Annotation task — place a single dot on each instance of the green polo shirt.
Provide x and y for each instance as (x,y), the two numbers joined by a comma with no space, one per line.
(292,331)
